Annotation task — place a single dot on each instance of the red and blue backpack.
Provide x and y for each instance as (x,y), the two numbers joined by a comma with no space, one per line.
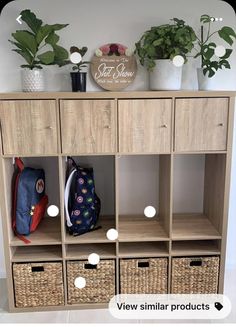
(82,205)
(29,199)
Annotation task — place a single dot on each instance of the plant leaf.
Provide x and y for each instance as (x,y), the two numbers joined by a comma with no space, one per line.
(43,32)
(227,34)
(31,20)
(52,38)
(61,54)
(57,27)
(26,40)
(47,58)
(227,54)
(25,54)
(205,19)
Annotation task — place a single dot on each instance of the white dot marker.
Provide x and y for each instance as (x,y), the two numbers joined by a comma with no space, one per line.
(75,57)
(216,19)
(221,19)
(149,212)
(220,51)
(53,211)
(212,19)
(93,258)
(80,282)
(178,61)
(112,234)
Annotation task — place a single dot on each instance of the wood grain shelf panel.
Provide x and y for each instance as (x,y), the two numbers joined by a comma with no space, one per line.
(47,233)
(97,236)
(143,249)
(193,227)
(192,248)
(37,253)
(82,251)
(136,228)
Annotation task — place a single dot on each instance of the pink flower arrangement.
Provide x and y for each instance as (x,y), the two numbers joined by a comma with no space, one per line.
(113,49)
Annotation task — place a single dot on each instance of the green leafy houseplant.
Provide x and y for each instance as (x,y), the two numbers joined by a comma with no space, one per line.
(82,64)
(210,63)
(165,42)
(38,45)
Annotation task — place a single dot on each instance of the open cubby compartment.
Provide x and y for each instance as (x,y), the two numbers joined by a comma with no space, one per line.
(198,196)
(82,251)
(104,177)
(36,253)
(49,230)
(193,248)
(143,249)
(144,180)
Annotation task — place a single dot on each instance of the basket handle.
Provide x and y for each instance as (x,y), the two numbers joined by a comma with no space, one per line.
(37,268)
(89,266)
(143,264)
(196,263)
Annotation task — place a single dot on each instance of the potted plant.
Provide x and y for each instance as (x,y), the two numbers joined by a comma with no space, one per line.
(38,46)
(213,57)
(159,46)
(78,77)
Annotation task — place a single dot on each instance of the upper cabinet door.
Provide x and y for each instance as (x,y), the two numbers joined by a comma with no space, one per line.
(88,126)
(201,124)
(29,127)
(145,126)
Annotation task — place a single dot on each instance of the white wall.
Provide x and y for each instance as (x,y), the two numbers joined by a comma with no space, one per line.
(93,23)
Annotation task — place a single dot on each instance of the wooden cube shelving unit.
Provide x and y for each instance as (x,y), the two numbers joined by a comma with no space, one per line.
(119,131)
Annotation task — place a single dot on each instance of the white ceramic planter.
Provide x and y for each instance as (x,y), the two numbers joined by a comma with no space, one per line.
(165,76)
(204,82)
(32,80)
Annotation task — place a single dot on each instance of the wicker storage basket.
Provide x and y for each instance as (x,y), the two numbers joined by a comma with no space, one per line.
(195,275)
(100,281)
(38,284)
(140,276)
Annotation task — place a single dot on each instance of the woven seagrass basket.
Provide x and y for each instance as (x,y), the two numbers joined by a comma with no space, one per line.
(100,281)
(195,275)
(38,284)
(140,276)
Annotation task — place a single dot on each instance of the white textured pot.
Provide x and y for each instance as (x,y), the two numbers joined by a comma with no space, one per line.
(32,80)
(165,76)
(204,82)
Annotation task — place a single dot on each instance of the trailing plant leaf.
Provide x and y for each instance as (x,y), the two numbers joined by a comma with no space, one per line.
(31,20)
(227,54)
(227,34)
(58,27)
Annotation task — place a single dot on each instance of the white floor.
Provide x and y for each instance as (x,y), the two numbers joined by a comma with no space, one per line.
(102,315)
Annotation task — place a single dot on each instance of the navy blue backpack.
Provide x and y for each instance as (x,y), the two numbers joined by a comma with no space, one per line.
(82,205)
(29,199)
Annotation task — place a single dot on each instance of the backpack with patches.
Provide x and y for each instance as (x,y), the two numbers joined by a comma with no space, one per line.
(82,205)
(29,199)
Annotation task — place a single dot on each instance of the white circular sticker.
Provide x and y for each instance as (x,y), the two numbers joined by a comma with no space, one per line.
(40,186)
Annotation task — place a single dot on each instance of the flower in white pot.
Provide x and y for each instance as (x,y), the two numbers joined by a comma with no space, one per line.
(38,46)
(163,50)
(213,56)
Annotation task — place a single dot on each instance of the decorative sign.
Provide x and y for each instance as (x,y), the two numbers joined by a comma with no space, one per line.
(113,67)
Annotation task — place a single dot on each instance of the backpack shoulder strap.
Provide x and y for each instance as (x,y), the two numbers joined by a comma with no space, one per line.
(66,197)
(19,164)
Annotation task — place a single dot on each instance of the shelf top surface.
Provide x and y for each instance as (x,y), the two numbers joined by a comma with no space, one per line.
(119,95)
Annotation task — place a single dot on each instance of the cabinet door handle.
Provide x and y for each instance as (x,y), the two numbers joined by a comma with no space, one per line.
(164,126)
(49,127)
(107,126)
(221,124)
